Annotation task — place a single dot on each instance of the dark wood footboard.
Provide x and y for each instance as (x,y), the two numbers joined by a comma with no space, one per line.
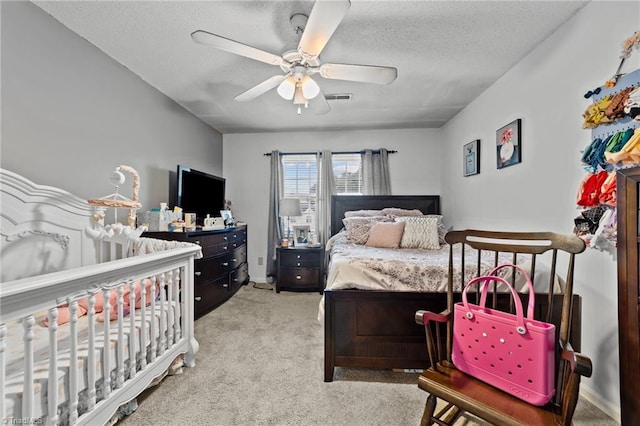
(377,329)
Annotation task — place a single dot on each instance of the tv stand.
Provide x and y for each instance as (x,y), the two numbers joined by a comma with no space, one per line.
(223,267)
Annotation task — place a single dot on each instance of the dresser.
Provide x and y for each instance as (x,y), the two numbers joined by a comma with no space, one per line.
(223,267)
(300,268)
(628,189)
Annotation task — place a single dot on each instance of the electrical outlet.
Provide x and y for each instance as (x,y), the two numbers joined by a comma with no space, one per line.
(260,260)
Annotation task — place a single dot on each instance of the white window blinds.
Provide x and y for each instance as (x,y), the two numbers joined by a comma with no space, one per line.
(347,172)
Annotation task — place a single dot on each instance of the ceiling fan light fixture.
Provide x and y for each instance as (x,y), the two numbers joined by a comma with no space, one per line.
(298,97)
(287,88)
(310,88)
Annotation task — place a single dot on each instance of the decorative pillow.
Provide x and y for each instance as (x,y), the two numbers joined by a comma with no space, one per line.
(419,232)
(64,312)
(393,211)
(385,234)
(358,227)
(363,213)
(442,230)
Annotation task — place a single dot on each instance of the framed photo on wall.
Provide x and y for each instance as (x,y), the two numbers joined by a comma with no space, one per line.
(471,158)
(509,144)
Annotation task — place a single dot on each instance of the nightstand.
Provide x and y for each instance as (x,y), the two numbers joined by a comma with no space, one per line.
(300,268)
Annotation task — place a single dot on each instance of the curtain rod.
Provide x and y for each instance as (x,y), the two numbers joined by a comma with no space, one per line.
(375,151)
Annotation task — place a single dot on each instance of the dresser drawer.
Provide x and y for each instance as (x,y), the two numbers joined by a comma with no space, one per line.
(296,277)
(239,256)
(238,236)
(239,277)
(205,269)
(210,295)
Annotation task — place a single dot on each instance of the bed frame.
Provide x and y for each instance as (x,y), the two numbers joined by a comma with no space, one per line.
(377,329)
(53,253)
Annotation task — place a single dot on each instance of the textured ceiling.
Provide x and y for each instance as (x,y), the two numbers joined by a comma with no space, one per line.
(446,53)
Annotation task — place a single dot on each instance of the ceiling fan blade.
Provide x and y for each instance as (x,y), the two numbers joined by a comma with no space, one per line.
(362,73)
(261,88)
(319,105)
(325,17)
(222,43)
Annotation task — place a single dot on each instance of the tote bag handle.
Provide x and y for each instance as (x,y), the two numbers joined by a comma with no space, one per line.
(486,280)
(532,293)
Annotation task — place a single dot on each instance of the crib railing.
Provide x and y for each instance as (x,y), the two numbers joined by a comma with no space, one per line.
(88,369)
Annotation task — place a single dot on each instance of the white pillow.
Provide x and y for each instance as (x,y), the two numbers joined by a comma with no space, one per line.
(419,232)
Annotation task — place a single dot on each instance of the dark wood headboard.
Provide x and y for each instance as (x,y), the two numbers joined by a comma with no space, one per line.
(427,204)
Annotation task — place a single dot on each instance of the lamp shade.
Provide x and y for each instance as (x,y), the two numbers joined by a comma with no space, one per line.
(287,88)
(310,88)
(290,207)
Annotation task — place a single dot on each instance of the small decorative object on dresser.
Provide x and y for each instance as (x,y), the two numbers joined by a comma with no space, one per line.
(300,268)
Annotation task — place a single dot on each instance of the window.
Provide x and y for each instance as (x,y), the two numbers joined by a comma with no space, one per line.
(347,173)
(300,178)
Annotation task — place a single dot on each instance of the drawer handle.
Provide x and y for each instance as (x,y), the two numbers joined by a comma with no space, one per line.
(298,277)
(198,298)
(224,248)
(298,256)
(235,280)
(225,264)
(197,242)
(197,273)
(235,245)
(235,236)
(234,260)
(225,238)
(298,263)
(225,285)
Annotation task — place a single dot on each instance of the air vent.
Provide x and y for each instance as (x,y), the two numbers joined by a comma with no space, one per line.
(339,97)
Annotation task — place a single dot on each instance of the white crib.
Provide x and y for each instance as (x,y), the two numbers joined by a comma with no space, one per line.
(126,320)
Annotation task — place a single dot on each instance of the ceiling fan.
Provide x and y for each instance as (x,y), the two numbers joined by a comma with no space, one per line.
(299,65)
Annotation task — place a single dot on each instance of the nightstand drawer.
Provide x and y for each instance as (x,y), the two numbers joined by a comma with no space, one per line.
(300,259)
(299,277)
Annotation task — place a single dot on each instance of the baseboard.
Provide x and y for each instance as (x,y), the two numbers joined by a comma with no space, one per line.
(606,407)
(257,279)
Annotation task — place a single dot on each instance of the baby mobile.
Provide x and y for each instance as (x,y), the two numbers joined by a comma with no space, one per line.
(614,120)
(116,201)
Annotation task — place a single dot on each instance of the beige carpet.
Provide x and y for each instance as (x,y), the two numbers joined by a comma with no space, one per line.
(261,363)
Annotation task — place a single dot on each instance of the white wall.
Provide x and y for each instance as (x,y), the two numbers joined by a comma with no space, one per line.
(546,90)
(71,114)
(415,169)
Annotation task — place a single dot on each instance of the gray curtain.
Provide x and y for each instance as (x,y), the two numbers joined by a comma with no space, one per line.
(375,172)
(326,188)
(274,234)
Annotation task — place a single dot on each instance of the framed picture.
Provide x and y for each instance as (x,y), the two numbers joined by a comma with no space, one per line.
(471,158)
(301,234)
(226,215)
(509,144)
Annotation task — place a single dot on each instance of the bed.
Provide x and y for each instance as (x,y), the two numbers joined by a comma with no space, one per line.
(90,314)
(368,311)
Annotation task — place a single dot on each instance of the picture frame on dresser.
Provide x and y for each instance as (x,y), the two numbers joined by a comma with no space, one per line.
(301,234)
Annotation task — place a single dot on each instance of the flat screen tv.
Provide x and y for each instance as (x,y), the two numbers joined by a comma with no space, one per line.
(200,193)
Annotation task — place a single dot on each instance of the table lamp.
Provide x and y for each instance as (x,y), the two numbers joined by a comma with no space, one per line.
(290,207)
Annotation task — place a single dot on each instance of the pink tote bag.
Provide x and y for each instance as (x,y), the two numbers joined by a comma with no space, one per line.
(511,352)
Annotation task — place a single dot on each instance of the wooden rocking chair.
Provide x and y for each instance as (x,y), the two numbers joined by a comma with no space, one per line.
(463,393)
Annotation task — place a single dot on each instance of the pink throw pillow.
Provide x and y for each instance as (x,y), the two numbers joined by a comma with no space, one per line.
(64,313)
(385,234)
